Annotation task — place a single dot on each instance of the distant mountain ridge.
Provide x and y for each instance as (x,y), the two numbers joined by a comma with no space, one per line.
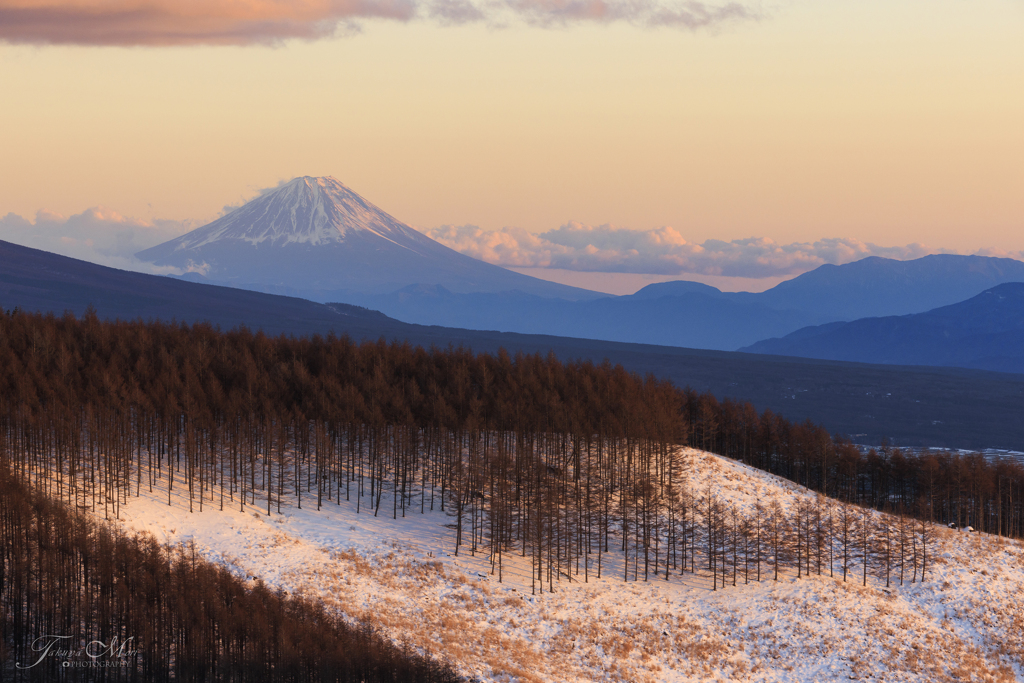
(35,280)
(315,237)
(911,406)
(695,315)
(984,332)
(877,286)
(691,320)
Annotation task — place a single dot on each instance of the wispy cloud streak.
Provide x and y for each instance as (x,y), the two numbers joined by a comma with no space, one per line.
(663,251)
(243,22)
(690,15)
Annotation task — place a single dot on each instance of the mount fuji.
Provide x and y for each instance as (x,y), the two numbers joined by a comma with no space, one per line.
(314,237)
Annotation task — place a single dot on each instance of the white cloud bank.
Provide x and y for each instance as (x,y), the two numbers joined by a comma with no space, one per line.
(244,22)
(664,251)
(106,237)
(99,235)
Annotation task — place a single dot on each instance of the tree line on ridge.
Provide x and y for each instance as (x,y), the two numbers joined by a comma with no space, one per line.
(560,462)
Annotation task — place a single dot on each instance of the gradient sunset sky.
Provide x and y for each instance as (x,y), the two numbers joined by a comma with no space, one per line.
(875,123)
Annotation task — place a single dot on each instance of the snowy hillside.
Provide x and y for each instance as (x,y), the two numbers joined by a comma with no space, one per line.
(964,622)
(316,238)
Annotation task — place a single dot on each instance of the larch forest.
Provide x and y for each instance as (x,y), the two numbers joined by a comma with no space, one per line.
(560,462)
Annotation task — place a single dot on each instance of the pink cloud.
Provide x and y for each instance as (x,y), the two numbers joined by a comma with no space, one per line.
(185,22)
(663,251)
(243,22)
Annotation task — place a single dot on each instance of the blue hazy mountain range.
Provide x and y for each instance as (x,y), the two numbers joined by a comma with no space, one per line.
(316,239)
(915,406)
(694,315)
(985,332)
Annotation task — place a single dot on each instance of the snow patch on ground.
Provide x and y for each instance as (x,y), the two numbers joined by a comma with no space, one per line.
(965,623)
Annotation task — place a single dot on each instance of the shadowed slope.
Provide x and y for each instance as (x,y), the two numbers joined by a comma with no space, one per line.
(985,332)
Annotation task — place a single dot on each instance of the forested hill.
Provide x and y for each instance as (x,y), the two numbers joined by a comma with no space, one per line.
(116,400)
(912,406)
(167,615)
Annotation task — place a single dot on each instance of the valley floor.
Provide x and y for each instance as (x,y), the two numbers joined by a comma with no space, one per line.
(966,622)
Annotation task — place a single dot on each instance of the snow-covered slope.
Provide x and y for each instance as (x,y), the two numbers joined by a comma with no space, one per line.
(303,211)
(965,622)
(315,237)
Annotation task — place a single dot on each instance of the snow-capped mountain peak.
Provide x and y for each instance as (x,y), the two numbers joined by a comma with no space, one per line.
(316,238)
(305,210)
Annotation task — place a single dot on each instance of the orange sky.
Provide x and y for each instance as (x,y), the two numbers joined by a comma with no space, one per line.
(888,122)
